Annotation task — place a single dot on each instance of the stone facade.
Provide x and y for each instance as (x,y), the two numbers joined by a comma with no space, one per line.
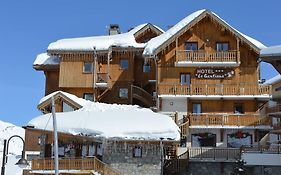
(124,158)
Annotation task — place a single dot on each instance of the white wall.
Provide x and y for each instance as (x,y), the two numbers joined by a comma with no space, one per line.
(174,105)
(262,159)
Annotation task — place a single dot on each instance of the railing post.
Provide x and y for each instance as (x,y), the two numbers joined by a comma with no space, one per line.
(214,153)
(201,152)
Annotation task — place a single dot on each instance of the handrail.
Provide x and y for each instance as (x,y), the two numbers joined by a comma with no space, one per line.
(205,56)
(213,153)
(239,89)
(74,164)
(143,94)
(229,119)
(270,149)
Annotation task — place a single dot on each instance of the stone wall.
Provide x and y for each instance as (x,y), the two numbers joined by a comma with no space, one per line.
(120,156)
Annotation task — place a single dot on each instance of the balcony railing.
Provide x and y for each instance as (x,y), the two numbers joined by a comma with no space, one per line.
(228,120)
(273,109)
(204,56)
(93,164)
(214,89)
(213,153)
(271,149)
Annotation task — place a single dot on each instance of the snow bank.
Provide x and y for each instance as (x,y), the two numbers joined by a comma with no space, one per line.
(99,42)
(271,51)
(112,121)
(45,59)
(156,42)
(72,97)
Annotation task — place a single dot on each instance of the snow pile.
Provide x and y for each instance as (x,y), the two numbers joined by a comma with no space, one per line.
(271,51)
(273,80)
(156,42)
(15,146)
(112,121)
(99,42)
(72,97)
(45,59)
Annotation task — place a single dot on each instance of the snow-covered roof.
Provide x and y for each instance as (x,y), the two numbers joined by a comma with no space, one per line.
(112,121)
(45,59)
(273,80)
(154,44)
(100,42)
(79,101)
(271,51)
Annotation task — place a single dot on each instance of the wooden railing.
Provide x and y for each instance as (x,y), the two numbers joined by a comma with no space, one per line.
(184,128)
(102,78)
(228,119)
(74,164)
(203,56)
(142,95)
(214,89)
(213,153)
(273,109)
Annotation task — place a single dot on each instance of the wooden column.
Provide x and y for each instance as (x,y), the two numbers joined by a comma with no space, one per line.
(238,49)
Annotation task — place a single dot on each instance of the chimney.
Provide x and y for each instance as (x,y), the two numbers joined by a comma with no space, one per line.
(113,29)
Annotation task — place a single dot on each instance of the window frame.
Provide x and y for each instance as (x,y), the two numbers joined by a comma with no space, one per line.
(122,64)
(191,44)
(85,94)
(139,153)
(84,67)
(195,103)
(185,82)
(242,107)
(222,44)
(120,93)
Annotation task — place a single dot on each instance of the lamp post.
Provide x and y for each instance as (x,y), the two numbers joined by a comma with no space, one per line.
(22,163)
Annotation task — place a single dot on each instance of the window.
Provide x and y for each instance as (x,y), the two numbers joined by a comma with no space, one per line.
(88,67)
(278,89)
(191,46)
(123,92)
(124,64)
(66,107)
(238,108)
(196,108)
(88,96)
(146,68)
(137,151)
(222,46)
(185,79)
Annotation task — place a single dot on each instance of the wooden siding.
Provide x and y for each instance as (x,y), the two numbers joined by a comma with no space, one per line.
(224,106)
(71,75)
(52,81)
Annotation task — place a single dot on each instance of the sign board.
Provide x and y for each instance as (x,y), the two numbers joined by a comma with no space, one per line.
(214,73)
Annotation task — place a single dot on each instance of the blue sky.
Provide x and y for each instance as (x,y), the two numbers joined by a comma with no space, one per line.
(27,27)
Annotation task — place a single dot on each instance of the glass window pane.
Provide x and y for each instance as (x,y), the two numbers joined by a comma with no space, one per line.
(123,92)
(87,67)
(185,79)
(191,46)
(124,64)
(196,108)
(66,107)
(88,96)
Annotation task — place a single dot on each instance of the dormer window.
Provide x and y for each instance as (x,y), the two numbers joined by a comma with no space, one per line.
(222,46)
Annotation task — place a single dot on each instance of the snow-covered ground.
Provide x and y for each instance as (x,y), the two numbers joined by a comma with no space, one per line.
(15,147)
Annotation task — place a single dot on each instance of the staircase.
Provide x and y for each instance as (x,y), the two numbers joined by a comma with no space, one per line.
(176,165)
(143,96)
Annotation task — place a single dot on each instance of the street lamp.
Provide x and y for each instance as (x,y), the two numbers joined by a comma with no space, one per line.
(22,163)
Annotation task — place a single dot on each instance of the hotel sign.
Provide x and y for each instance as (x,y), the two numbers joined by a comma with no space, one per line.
(214,73)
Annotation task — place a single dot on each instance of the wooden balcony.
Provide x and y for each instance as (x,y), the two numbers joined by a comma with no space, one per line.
(84,165)
(241,89)
(189,58)
(101,80)
(274,110)
(213,154)
(228,120)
